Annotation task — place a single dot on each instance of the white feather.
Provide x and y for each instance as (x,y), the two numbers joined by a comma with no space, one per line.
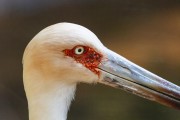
(50,77)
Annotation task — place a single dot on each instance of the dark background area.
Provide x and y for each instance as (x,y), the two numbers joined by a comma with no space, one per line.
(146,32)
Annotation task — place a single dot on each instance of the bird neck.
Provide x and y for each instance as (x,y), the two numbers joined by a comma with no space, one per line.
(49,100)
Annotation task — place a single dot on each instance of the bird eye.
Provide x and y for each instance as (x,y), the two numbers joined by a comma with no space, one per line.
(79,50)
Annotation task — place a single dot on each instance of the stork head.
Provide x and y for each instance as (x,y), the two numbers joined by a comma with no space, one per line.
(65,52)
(69,53)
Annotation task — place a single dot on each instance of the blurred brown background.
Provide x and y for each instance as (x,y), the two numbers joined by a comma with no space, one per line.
(145,31)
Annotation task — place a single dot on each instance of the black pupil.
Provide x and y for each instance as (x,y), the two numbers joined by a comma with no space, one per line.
(79,50)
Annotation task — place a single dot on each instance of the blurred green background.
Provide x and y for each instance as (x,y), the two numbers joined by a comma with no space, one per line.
(146,32)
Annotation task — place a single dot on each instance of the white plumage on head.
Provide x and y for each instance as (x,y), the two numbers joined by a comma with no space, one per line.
(49,77)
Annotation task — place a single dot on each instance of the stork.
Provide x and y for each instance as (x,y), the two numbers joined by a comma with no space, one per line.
(64,54)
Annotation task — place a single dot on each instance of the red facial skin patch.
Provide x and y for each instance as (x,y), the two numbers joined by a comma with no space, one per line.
(89,57)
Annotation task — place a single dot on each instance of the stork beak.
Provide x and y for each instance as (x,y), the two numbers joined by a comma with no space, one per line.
(118,72)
